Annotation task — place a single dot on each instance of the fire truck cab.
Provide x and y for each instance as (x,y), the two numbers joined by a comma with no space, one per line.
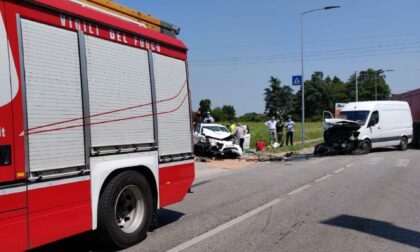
(95,124)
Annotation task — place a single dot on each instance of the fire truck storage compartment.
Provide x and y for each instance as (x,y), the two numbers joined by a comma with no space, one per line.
(53,95)
(174,125)
(119,93)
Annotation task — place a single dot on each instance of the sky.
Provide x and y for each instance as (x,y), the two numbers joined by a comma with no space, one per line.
(236,45)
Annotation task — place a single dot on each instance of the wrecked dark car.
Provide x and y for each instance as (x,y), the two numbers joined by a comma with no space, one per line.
(214,140)
(340,137)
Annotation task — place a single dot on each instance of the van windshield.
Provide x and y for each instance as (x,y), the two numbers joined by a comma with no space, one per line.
(358,116)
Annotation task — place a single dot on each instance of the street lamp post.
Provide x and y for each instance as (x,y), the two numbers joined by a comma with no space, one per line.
(376,85)
(303,79)
(357,86)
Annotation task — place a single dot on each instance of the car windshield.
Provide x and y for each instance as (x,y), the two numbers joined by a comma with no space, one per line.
(216,128)
(358,116)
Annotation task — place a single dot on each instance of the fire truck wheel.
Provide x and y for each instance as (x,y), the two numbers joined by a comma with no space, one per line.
(125,210)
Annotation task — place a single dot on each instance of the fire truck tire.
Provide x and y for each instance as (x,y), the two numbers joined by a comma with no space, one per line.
(125,210)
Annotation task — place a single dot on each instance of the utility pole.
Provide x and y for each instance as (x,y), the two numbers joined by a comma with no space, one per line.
(357,86)
(376,86)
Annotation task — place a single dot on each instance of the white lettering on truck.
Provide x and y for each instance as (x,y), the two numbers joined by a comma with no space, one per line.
(79,25)
(2,132)
(89,28)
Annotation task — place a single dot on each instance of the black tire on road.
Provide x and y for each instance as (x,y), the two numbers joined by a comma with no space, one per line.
(125,210)
(365,146)
(403,144)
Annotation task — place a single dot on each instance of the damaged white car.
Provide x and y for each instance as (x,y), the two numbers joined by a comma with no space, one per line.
(214,140)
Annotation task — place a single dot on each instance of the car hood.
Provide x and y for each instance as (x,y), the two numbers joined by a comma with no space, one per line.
(216,134)
(343,122)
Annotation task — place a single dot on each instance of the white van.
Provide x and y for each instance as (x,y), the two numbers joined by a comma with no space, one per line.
(382,123)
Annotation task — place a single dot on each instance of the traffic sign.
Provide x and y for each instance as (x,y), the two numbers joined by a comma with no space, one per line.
(297,80)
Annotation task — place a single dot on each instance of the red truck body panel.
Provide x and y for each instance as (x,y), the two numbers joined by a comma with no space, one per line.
(413,99)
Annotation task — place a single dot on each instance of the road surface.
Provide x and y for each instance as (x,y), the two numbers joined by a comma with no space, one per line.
(341,203)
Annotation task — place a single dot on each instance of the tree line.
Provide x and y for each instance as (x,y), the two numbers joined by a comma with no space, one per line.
(320,94)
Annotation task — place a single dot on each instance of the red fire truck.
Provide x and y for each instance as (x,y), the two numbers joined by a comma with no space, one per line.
(95,125)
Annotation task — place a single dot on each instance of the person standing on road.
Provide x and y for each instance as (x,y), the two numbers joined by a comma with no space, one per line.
(271,125)
(208,118)
(197,118)
(290,125)
(240,133)
(232,127)
(279,129)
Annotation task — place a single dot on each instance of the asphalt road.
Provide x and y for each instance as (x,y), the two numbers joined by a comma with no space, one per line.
(342,203)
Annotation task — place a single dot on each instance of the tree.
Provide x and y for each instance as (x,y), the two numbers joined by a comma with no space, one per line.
(317,97)
(229,112)
(205,106)
(252,117)
(218,114)
(366,85)
(337,91)
(278,100)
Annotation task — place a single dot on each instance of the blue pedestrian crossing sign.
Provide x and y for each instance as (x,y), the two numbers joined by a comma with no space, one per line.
(297,80)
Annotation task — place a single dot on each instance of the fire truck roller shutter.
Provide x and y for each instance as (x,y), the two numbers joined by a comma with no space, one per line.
(174,127)
(119,81)
(53,94)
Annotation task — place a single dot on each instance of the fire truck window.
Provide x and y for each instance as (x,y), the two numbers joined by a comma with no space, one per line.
(5,155)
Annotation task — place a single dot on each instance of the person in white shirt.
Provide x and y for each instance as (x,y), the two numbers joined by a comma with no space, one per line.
(240,133)
(271,125)
(289,125)
(208,118)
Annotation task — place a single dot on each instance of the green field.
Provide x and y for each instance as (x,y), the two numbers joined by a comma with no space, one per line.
(313,131)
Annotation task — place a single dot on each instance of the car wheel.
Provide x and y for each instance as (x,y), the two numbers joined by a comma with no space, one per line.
(403,144)
(365,146)
(125,210)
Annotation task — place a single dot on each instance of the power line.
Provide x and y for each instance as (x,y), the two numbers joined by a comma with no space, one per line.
(394,46)
(272,44)
(271,61)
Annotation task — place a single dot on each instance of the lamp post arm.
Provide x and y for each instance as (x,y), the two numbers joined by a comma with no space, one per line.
(309,11)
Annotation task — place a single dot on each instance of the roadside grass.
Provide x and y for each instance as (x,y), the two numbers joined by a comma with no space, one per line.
(313,131)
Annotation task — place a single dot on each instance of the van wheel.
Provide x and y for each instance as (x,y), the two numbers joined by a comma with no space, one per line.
(403,144)
(364,146)
(125,210)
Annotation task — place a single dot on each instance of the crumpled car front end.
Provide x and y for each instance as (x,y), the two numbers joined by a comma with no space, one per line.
(340,138)
(215,144)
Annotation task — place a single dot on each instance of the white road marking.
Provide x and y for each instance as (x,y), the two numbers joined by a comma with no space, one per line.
(339,170)
(225,226)
(375,160)
(402,162)
(349,165)
(323,178)
(300,189)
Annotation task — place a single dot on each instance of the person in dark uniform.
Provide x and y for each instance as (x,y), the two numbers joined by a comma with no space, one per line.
(279,130)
